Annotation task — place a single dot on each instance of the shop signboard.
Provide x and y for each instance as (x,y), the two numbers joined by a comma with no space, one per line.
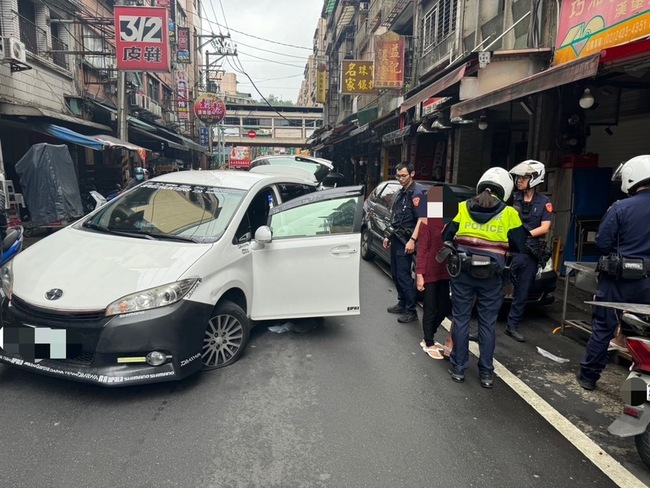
(240,157)
(209,108)
(321,82)
(204,136)
(183,45)
(433,104)
(389,60)
(141,39)
(357,76)
(588,27)
(182,100)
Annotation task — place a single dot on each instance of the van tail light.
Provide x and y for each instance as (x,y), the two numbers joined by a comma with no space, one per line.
(640,350)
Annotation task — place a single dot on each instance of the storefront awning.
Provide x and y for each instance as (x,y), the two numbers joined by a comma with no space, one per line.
(70,136)
(147,135)
(396,135)
(434,88)
(29,111)
(190,144)
(558,75)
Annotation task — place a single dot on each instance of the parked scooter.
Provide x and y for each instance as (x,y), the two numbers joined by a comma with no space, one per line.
(635,419)
(12,244)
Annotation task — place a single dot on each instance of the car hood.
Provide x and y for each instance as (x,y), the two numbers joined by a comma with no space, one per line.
(93,269)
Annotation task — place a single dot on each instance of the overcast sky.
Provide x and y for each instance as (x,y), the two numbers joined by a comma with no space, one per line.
(277,26)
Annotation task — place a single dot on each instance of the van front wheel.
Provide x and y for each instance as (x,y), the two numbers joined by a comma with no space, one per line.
(226,336)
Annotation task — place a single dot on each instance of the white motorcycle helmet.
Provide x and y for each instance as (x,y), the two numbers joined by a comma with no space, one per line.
(531,168)
(633,173)
(498,180)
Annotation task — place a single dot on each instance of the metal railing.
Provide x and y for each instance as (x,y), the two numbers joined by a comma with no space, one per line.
(33,36)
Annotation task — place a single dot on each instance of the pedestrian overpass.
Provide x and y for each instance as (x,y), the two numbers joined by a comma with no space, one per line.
(261,125)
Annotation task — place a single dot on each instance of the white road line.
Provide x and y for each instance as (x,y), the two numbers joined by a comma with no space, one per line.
(592,451)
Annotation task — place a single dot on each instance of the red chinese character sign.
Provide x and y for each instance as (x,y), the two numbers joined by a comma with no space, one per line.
(141,40)
(209,108)
(389,60)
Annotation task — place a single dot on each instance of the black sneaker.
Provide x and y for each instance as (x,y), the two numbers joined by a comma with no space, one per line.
(515,335)
(486,379)
(396,309)
(587,385)
(456,375)
(407,317)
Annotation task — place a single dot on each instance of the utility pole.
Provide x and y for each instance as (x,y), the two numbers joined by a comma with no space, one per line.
(122,110)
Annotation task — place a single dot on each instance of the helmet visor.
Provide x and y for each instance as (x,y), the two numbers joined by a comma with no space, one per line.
(617,174)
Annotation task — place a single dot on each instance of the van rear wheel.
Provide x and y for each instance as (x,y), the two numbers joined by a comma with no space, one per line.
(226,336)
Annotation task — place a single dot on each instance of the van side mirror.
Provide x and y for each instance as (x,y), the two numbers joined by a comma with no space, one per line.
(263,235)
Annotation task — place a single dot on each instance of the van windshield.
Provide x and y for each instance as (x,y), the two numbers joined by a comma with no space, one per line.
(167,210)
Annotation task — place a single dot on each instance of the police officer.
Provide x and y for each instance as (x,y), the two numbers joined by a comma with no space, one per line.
(406,213)
(483,231)
(623,239)
(535,212)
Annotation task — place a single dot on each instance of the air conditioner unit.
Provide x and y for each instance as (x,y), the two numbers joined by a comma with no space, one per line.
(13,50)
(154,108)
(170,118)
(140,100)
(363,5)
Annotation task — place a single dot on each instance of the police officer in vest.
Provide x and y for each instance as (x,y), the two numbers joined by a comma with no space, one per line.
(401,238)
(483,231)
(535,212)
(623,239)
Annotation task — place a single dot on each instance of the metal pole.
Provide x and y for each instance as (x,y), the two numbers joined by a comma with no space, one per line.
(211,144)
(122,110)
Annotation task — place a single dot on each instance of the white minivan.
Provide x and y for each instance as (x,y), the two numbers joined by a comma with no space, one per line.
(168,278)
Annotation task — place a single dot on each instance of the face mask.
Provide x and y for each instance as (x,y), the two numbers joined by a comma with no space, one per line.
(139,177)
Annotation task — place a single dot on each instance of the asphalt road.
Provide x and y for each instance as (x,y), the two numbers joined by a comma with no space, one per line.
(353,402)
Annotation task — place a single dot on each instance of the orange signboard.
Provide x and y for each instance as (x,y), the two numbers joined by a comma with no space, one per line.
(357,76)
(389,60)
(587,27)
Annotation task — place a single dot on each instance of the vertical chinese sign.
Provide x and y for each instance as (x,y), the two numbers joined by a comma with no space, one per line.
(321,82)
(389,60)
(182,96)
(141,40)
(357,76)
(183,45)
(587,27)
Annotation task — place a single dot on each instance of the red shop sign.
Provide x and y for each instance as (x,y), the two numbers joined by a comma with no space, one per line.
(209,108)
(141,39)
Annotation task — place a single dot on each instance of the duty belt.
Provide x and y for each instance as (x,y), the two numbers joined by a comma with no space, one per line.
(618,267)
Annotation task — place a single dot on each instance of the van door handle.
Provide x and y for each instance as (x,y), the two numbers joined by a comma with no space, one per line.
(343,251)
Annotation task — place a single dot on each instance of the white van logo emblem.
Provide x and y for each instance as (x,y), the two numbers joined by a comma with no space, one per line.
(54,294)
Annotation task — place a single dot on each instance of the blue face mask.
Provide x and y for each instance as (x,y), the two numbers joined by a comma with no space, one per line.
(139,177)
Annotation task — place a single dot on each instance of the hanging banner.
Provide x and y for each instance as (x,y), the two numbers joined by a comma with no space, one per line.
(240,157)
(587,27)
(183,45)
(389,60)
(182,96)
(357,76)
(209,108)
(321,82)
(141,42)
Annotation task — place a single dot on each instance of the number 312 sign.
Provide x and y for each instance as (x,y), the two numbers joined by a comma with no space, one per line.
(141,39)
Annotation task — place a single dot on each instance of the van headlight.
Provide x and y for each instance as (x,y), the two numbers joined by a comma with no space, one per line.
(7,277)
(160,296)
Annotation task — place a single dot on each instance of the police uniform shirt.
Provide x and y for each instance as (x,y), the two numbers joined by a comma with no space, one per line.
(533,213)
(624,229)
(407,204)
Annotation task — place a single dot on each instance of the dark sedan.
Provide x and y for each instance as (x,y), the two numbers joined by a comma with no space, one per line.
(376,219)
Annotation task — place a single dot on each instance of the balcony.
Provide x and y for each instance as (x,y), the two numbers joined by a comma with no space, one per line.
(33,37)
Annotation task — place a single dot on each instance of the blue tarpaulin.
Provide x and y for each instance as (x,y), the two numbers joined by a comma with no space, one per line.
(68,135)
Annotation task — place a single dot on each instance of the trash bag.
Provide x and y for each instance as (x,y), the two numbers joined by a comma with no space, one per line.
(49,183)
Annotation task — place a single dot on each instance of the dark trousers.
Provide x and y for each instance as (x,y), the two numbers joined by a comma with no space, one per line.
(522,273)
(400,268)
(489,297)
(604,320)
(436,306)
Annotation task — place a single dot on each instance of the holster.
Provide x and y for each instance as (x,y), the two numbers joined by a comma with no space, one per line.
(479,266)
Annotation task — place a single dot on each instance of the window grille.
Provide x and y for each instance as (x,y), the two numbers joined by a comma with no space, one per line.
(439,23)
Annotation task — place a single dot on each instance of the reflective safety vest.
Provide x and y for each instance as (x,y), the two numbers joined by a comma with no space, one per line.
(492,236)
